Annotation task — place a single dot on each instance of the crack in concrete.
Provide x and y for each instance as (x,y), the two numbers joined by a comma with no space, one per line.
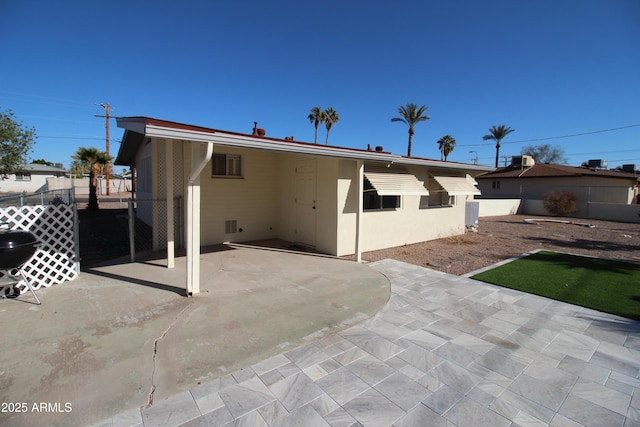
(155,352)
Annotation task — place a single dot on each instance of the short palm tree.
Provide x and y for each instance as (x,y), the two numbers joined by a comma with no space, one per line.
(331,117)
(411,114)
(95,159)
(497,135)
(447,143)
(316,116)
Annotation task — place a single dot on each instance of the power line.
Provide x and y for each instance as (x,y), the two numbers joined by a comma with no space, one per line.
(71,137)
(48,100)
(553,137)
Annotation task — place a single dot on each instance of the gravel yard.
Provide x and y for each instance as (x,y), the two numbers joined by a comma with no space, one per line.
(502,237)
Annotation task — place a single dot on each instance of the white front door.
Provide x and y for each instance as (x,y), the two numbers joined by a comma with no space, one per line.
(306,202)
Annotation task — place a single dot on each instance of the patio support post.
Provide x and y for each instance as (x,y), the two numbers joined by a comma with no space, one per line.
(168,147)
(193,216)
(359,187)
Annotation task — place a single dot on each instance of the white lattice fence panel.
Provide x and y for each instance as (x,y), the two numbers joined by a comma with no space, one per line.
(55,259)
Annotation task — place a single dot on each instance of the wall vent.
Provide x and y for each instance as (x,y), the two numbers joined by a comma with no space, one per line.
(231,226)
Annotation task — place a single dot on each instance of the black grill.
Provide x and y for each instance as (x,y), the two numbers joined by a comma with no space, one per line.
(16,248)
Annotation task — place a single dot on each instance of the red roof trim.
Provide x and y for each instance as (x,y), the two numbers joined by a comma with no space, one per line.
(176,125)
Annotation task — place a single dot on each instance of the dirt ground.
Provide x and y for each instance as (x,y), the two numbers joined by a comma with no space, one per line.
(502,237)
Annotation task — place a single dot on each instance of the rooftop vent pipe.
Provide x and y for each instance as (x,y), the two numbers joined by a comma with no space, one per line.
(258,131)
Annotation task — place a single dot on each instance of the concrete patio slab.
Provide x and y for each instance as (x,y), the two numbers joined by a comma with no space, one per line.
(124,335)
(451,363)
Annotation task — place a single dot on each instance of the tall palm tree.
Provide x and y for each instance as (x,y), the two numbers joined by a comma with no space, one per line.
(497,134)
(331,117)
(447,143)
(316,116)
(411,115)
(95,159)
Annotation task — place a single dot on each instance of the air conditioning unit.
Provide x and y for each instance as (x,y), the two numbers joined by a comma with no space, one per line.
(522,161)
(528,161)
(599,164)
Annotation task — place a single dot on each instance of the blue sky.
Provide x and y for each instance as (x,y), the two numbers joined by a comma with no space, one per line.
(546,68)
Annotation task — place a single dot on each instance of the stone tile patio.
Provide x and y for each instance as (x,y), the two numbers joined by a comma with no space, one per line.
(446,351)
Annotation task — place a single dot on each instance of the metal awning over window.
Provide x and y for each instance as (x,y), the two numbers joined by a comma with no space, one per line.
(395,182)
(457,186)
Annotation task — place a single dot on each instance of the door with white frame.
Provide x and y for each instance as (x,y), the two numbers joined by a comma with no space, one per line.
(306,212)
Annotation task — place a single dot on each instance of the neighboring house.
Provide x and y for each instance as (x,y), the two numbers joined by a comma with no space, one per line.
(239,187)
(529,180)
(30,178)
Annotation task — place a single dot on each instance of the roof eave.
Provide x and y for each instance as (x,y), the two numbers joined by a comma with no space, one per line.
(169,130)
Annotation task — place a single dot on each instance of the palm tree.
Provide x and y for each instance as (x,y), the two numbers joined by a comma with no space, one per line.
(316,116)
(411,115)
(331,117)
(95,159)
(447,143)
(497,134)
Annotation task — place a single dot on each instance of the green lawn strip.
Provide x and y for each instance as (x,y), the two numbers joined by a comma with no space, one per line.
(608,286)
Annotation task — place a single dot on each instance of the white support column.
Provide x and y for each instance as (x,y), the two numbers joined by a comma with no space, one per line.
(170,207)
(359,188)
(193,216)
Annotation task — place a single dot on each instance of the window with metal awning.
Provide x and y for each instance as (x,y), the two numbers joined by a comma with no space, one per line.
(458,186)
(384,186)
(394,182)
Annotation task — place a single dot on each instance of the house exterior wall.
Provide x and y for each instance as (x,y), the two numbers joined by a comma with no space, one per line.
(586,188)
(411,223)
(252,200)
(145,181)
(11,185)
(287,210)
(327,216)
(264,204)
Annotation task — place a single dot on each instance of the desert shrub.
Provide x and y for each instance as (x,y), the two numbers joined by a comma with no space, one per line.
(560,203)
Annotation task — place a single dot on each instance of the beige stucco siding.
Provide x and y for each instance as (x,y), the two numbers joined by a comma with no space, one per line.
(266,203)
(325,212)
(327,217)
(389,228)
(251,200)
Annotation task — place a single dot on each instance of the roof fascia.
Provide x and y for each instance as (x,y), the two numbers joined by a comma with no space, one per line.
(134,124)
(257,143)
(445,165)
(147,128)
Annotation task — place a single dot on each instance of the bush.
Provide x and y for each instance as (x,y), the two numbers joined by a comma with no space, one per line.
(560,203)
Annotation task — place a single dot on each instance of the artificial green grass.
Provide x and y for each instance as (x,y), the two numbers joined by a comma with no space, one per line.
(608,286)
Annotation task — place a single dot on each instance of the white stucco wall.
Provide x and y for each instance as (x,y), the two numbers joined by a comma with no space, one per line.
(497,207)
(11,185)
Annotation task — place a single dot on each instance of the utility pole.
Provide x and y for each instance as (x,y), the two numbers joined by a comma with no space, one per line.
(107,109)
